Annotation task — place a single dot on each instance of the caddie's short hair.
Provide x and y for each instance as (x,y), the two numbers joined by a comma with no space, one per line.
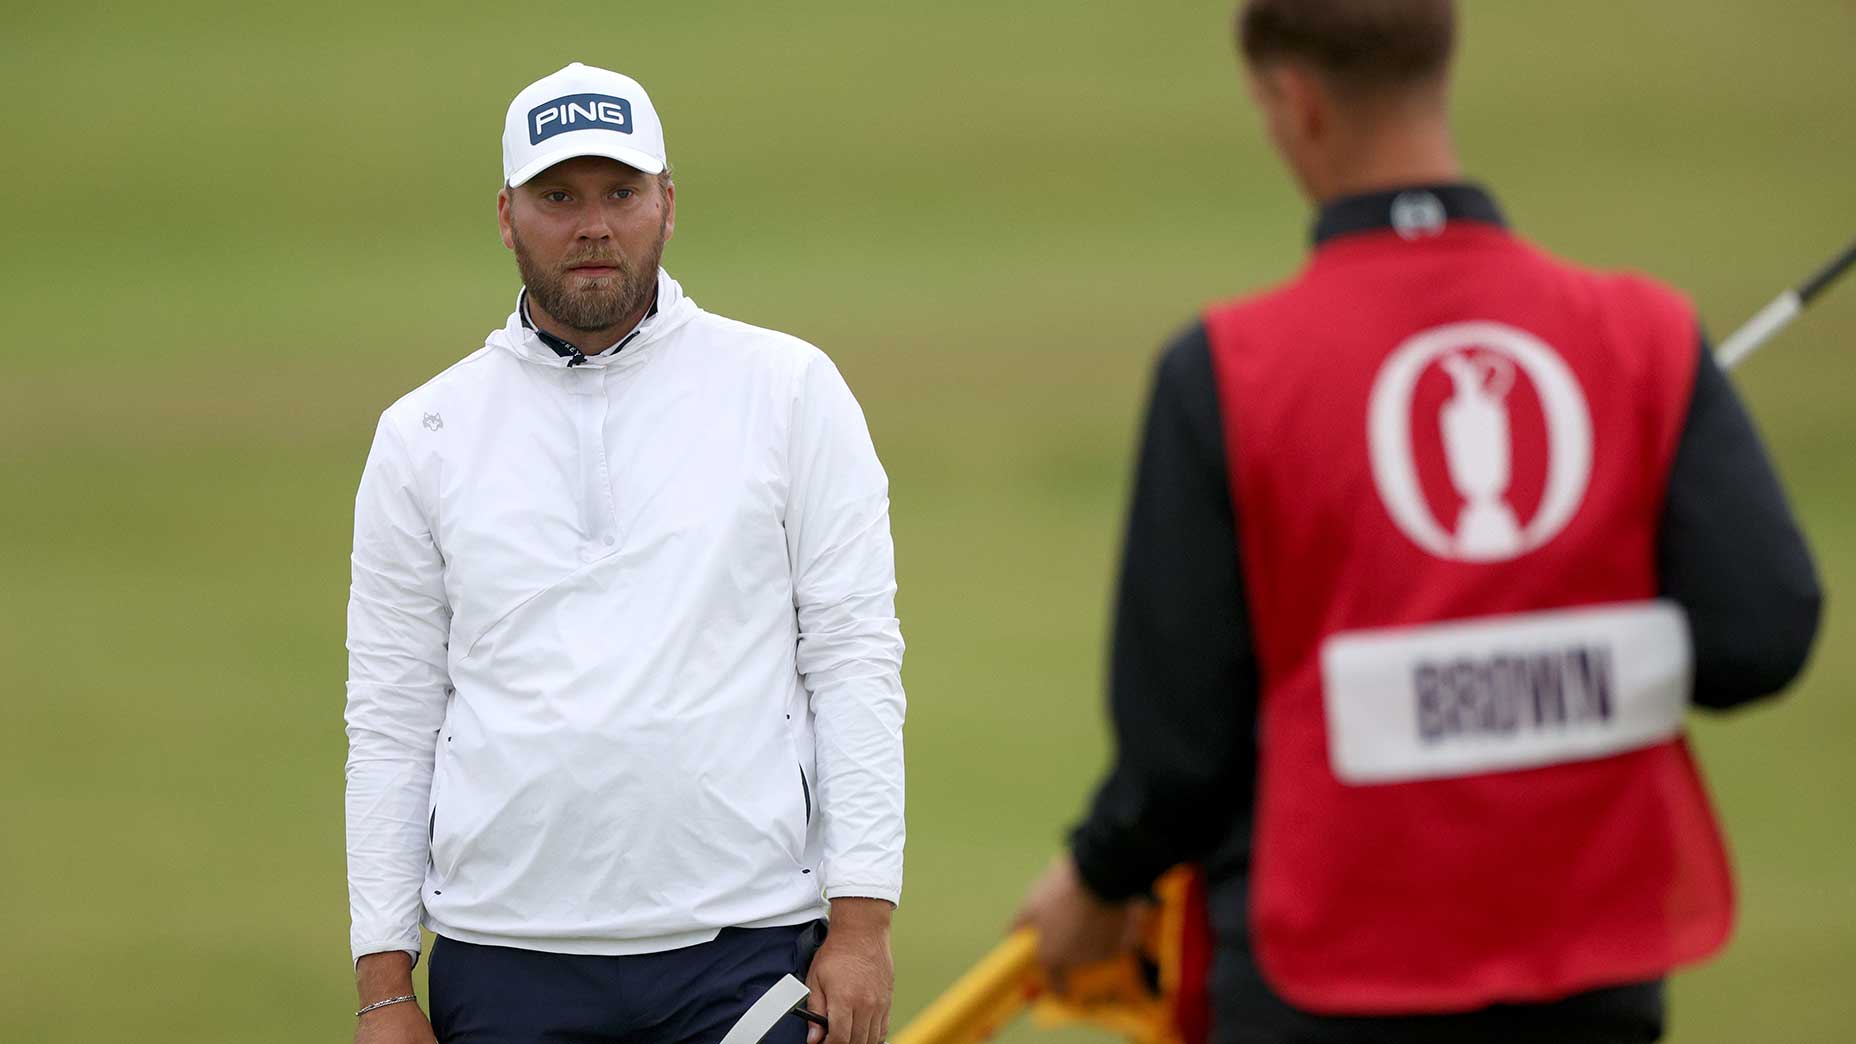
(1357,43)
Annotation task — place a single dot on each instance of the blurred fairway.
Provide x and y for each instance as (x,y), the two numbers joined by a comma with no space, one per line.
(234,233)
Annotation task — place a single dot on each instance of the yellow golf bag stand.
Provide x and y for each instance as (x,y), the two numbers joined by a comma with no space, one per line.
(1155,995)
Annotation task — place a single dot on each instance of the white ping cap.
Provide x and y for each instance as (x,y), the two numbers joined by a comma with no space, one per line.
(581,111)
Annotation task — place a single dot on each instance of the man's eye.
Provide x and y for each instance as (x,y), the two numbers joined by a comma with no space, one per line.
(556,197)
(624,193)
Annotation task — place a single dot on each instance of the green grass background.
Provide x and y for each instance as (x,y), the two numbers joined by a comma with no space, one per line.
(233,233)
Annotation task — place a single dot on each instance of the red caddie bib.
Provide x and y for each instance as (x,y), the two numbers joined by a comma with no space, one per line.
(1448,457)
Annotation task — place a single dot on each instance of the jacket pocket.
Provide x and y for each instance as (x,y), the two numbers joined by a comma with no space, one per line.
(439,865)
(801,829)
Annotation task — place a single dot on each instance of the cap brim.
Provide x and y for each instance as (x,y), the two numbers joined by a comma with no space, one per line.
(636,158)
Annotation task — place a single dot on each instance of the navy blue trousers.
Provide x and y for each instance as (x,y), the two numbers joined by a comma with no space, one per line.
(500,995)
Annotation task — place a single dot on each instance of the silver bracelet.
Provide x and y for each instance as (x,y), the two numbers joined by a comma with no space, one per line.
(384,1003)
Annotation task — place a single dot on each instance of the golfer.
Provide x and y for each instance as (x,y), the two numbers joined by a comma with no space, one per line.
(624,704)
(1431,549)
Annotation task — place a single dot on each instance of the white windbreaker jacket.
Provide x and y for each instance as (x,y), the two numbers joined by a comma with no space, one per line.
(624,667)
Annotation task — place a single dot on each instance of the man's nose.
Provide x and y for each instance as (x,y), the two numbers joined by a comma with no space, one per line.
(593,223)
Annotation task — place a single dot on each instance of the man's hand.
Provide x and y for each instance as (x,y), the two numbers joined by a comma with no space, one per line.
(1074,927)
(394,1024)
(378,976)
(853,976)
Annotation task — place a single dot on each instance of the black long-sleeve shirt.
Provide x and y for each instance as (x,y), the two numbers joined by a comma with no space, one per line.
(1183,676)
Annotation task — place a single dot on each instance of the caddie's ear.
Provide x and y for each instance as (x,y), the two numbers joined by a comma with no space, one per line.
(1306,100)
(505,201)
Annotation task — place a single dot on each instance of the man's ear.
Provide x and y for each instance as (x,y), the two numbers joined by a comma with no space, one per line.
(670,210)
(1307,102)
(504,220)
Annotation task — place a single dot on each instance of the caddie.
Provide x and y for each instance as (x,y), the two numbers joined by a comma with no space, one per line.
(624,700)
(1431,550)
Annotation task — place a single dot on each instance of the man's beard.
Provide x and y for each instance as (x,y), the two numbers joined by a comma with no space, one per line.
(591,305)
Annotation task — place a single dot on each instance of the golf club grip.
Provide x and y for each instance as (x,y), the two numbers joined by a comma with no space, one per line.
(1782,310)
(1759,329)
(983,999)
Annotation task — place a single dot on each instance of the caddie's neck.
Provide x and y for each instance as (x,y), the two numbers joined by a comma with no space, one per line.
(1388,155)
(1340,142)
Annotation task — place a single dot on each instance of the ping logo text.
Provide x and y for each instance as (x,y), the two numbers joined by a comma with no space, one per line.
(579,112)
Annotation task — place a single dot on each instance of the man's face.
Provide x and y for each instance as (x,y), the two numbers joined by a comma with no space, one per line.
(588,234)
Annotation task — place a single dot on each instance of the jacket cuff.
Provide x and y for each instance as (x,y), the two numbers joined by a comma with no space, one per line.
(852,890)
(363,949)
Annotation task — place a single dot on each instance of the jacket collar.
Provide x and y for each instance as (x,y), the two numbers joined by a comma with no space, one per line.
(1414,212)
(567,349)
(520,336)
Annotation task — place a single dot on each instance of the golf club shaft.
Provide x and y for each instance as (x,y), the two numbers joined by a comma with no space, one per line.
(1783,309)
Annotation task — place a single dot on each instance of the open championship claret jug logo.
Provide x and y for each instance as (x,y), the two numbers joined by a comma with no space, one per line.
(1481,441)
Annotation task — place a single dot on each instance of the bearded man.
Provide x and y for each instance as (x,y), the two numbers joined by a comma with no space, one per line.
(624,698)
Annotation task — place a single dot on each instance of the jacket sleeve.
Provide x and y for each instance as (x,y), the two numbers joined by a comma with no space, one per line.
(1182,676)
(398,622)
(1731,555)
(850,643)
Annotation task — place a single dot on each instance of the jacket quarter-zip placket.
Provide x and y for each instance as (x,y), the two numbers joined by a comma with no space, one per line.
(598,529)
